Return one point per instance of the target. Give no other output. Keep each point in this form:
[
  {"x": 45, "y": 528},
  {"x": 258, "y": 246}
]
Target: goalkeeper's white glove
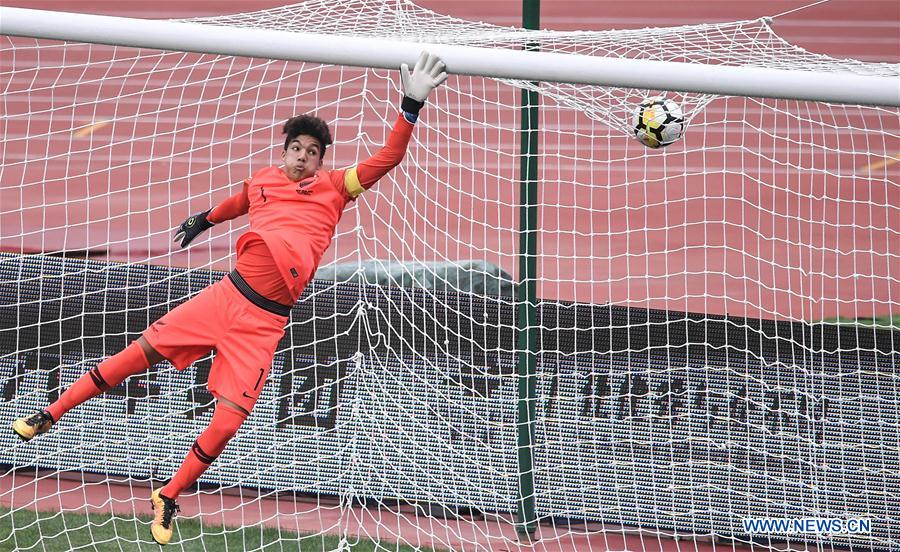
[{"x": 427, "y": 75}]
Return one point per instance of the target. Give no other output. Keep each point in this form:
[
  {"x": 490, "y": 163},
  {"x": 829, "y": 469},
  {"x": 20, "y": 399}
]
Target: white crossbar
[{"x": 460, "y": 60}]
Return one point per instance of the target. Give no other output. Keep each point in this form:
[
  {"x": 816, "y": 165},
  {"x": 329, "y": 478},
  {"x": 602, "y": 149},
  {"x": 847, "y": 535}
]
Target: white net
[{"x": 688, "y": 373}]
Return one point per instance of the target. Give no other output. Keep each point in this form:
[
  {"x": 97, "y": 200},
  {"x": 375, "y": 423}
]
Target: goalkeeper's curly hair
[{"x": 309, "y": 125}]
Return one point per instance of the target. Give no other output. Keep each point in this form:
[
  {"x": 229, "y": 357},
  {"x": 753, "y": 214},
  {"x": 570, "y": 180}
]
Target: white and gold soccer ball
[{"x": 657, "y": 122}]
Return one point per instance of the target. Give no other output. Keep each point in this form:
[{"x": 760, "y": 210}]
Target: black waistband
[{"x": 262, "y": 302}]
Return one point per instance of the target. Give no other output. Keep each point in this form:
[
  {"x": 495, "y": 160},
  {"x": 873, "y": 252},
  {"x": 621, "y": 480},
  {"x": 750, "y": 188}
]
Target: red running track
[
  {"x": 79, "y": 493},
  {"x": 691, "y": 228}
]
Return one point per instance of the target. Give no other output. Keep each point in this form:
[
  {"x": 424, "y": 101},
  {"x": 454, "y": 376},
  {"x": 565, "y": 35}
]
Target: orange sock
[
  {"x": 223, "y": 426},
  {"x": 103, "y": 377}
]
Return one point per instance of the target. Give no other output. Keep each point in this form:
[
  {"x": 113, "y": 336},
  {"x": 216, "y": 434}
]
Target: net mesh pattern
[{"x": 715, "y": 324}]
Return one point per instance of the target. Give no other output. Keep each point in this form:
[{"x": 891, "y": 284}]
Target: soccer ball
[{"x": 657, "y": 122}]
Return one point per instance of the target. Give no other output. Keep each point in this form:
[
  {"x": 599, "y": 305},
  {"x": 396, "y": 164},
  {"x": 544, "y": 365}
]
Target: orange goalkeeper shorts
[{"x": 243, "y": 334}]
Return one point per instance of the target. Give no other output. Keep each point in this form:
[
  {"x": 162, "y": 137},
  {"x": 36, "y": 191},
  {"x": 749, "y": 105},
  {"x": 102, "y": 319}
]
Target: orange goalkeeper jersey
[{"x": 296, "y": 220}]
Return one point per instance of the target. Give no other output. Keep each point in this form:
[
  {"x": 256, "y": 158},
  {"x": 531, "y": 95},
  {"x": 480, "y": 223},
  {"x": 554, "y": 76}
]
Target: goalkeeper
[{"x": 293, "y": 212}]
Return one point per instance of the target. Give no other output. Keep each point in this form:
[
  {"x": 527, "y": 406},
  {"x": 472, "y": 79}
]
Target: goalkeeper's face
[{"x": 302, "y": 158}]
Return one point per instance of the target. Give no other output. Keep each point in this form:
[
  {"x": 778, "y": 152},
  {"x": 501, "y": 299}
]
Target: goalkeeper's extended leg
[
  {"x": 225, "y": 422},
  {"x": 106, "y": 375}
]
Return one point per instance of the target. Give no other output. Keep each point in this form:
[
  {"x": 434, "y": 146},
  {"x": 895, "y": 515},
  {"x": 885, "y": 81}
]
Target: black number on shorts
[{"x": 261, "y": 372}]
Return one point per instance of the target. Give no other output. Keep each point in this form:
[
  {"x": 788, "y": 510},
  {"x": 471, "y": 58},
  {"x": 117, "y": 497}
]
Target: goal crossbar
[{"x": 460, "y": 60}]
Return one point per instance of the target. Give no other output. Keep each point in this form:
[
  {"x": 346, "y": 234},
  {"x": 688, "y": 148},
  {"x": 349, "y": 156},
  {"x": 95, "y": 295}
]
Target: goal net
[{"x": 716, "y": 321}]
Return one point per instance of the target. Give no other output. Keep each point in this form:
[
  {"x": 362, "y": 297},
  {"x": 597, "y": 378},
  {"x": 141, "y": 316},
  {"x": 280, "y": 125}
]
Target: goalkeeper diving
[{"x": 293, "y": 211}]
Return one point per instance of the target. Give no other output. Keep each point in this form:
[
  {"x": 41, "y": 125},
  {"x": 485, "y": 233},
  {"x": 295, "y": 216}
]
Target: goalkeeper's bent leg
[
  {"x": 224, "y": 425},
  {"x": 226, "y": 421},
  {"x": 106, "y": 375}
]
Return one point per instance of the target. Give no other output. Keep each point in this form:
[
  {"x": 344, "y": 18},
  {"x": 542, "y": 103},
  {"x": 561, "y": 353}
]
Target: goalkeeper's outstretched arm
[
  {"x": 194, "y": 225},
  {"x": 427, "y": 75}
]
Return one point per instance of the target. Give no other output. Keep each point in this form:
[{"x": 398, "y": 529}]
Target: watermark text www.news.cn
[{"x": 807, "y": 526}]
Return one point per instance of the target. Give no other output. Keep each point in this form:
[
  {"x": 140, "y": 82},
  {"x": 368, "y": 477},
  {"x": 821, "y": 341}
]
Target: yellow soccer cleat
[
  {"x": 28, "y": 428},
  {"x": 164, "y": 509}
]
